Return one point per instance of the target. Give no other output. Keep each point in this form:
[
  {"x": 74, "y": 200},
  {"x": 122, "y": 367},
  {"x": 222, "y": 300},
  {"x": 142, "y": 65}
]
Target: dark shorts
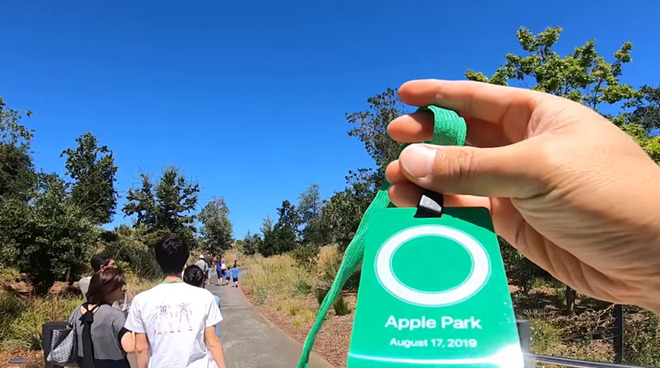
[{"x": 235, "y": 279}]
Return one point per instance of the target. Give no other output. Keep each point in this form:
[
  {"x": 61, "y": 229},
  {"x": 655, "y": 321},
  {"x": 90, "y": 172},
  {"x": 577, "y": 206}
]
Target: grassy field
[{"x": 287, "y": 293}]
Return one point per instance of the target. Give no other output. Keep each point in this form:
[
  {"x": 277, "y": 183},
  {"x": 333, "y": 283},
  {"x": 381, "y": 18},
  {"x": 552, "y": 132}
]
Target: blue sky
[{"x": 248, "y": 97}]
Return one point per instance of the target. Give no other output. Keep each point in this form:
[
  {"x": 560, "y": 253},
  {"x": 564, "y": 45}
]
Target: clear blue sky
[{"x": 248, "y": 97}]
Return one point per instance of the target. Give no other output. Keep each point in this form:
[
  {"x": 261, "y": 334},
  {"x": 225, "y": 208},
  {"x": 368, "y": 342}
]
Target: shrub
[
  {"x": 130, "y": 248},
  {"x": 21, "y": 320},
  {"x": 341, "y": 307},
  {"x": 321, "y": 293},
  {"x": 303, "y": 287},
  {"x": 641, "y": 345},
  {"x": 294, "y": 309},
  {"x": 306, "y": 256}
]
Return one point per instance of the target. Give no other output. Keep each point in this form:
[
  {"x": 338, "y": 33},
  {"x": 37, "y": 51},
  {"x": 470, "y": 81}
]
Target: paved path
[{"x": 249, "y": 340}]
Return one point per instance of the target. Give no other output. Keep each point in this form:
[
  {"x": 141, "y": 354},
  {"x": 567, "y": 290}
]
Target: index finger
[{"x": 480, "y": 100}]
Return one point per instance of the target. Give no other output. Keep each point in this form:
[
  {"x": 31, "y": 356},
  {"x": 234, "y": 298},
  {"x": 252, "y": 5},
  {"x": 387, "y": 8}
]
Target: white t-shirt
[{"x": 174, "y": 316}]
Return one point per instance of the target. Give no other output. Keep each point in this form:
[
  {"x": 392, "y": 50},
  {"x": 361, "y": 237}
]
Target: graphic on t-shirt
[
  {"x": 184, "y": 311},
  {"x": 164, "y": 320}
]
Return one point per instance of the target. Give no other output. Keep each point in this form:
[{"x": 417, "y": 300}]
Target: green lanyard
[{"x": 448, "y": 129}]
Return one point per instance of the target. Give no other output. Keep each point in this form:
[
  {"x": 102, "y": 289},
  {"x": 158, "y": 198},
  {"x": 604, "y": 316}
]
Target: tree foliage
[
  {"x": 51, "y": 237},
  {"x": 92, "y": 167},
  {"x": 169, "y": 206},
  {"x": 370, "y": 127},
  {"x": 341, "y": 215},
  {"x": 216, "y": 228},
  {"x": 309, "y": 209},
  {"x": 17, "y": 174},
  {"x": 583, "y": 75},
  {"x": 251, "y": 243},
  {"x": 280, "y": 237}
]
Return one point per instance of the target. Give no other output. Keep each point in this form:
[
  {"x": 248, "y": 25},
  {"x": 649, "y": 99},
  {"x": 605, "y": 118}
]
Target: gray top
[
  {"x": 202, "y": 264},
  {"x": 106, "y": 329}
]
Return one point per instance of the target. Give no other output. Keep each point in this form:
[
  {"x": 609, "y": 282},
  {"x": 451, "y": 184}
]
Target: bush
[
  {"x": 131, "y": 249},
  {"x": 21, "y": 320},
  {"x": 306, "y": 256},
  {"x": 321, "y": 293},
  {"x": 341, "y": 307},
  {"x": 303, "y": 287},
  {"x": 330, "y": 269},
  {"x": 641, "y": 346}
]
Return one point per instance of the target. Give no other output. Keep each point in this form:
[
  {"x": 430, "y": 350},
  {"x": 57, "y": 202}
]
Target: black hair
[
  {"x": 193, "y": 275},
  {"x": 99, "y": 260},
  {"x": 171, "y": 255}
]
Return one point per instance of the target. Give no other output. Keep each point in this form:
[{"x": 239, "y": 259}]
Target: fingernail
[{"x": 417, "y": 160}]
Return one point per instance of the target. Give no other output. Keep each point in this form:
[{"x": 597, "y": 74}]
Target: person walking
[
  {"x": 102, "y": 339},
  {"x": 175, "y": 323}
]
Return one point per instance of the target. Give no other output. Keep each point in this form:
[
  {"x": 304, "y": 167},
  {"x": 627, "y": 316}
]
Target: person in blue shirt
[{"x": 234, "y": 275}]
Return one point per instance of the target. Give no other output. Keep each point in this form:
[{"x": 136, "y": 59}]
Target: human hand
[{"x": 564, "y": 185}]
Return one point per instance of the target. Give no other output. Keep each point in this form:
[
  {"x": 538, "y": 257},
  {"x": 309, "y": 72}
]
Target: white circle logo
[{"x": 477, "y": 278}]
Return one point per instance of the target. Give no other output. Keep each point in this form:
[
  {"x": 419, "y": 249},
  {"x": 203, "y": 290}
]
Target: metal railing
[{"x": 533, "y": 360}]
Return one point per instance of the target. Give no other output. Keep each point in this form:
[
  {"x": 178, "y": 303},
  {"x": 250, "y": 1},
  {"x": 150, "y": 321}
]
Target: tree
[
  {"x": 92, "y": 167},
  {"x": 646, "y": 107},
  {"x": 371, "y": 129},
  {"x": 216, "y": 228},
  {"x": 309, "y": 215},
  {"x": 168, "y": 208},
  {"x": 251, "y": 243},
  {"x": 52, "y": 237},
  {"x": 341, "y": 215},
  {"x": 17, "y": 175},
  {"x": 583, "y": 76},
  {"x": 281, "y": 238}
]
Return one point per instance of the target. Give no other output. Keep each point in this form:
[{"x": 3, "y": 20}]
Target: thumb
[{"x": 509, "y": 171}]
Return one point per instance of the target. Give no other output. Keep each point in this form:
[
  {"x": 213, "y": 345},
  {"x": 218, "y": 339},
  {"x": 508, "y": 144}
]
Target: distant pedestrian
[
  {"x": 101, "y": 262},
  {"x": 218, "y": 270},
  {"x": 227, "y": 276},
  {"x": 201, "y": 263},
  {"x": 234, "y": 275}
]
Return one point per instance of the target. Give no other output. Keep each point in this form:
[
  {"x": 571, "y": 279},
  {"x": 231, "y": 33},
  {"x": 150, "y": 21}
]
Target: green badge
[{"x": 433, "y": 293}]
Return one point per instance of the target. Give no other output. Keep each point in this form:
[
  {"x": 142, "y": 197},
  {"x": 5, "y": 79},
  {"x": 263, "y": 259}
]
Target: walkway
[{"x": 249, "y": 340}]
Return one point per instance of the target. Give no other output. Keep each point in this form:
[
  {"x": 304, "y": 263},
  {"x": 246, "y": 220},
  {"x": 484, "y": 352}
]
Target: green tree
[
  {"x": 251, "y": 243},
  {"x": 341, "y": 215},
  {"x": 216, "y": 227},
  {"x": 92, "y": 167},
  {"x": 370, "y": 127},
  {"x": 281, "y": 237},
  {"x": 52, "y": 237},
  {"x": 646, "y": 108},
  {"x": 583, "y": 76},
  {"x": 309, "y": 209},
  {"x": 17, "y": 175},
  {"x": 167, "y": 208}
]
